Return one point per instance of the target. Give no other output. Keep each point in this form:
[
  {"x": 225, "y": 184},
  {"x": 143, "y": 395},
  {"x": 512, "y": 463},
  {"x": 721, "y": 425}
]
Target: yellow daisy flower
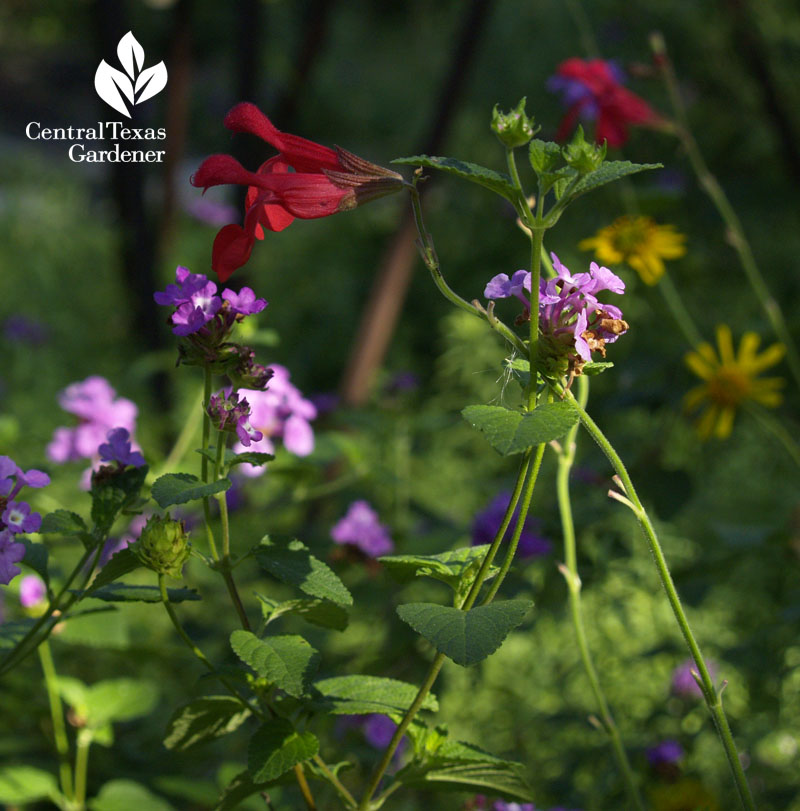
[
  {"x": 731, "y": 379},
  {"x": 639, "y": 242}
]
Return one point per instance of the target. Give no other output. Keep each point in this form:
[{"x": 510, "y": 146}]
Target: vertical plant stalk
[
  {"x": 716, "y": 193},
  {"x": 712, "y": 696},
  {"x": 438, "y": 660},
  {"x": 207, "y": 381},
  {"x": 57, "y": 716},
  {"x": 83, "y": 741},
  {"x": 523, "y": 514},
  {"x": 566, "y": 457},
  {"x": 225, "y": 563},
  {"x": 679, "y": 312},
  {"x": 775, "y": 427}
]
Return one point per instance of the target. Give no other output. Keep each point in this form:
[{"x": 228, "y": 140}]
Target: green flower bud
[
  {"x": 513, "y": 128},
  {"x": 163, "y": 545},
  {"x": 582, "y": 156}
]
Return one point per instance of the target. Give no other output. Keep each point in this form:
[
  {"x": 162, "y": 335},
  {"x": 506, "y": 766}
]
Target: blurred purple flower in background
[
  {"x": 32, "y": 591},
  {"x": 118, "y": 449},
  {"x": 487, "y": 522},
  {"x": 279, "y": 412},
  {"x": 668, "y": 751},
  {"x": 361, "y": 527},
  {"x": 96, "y": 404},
  {"x": 114, "y": 545},
  {"x": 683, "y": 682},
  {"x": 210, "y": 211},
  {"x": 21, "y": 329}
]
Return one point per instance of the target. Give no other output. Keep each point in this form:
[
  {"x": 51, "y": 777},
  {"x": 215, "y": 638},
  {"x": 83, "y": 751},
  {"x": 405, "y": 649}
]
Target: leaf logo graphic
[{"x": 133, "y": 86}]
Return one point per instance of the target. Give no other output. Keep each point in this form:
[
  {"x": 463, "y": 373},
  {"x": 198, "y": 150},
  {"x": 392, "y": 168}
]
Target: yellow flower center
[
  {"x": 729, "y": 386},
  {"x": 631, "y": 234}
]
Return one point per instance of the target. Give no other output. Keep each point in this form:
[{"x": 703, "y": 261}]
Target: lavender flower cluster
[
  {"x": 16, "y": 517},
  {"x": 573, "y": 323}
]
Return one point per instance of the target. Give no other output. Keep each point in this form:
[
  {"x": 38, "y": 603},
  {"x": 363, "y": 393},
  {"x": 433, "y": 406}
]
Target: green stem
[
  {"x": 716, "y": 193},
  {"x": 335, "y": 782},
  {"x": 83, "y": 741},
  {"x": 566, "y": 458},
  {"x": 488, "y": 559},
  {"x": 162, "y": 587},
  {"x": 585, "y": 32},
  {"x": 679, "y": 312},
  {"x": 411, "y": 713},
  {"x": 22, "y": 649},
  {"x": 712, "y": 696},
  {"x": 432, "y": 263},
  {"x": 184, "y": 440},
  {"x": 57, "y": 716},
  {"x": 225, "y": 563},
  {"x": 207, "y": 383},
  {"x": 523, "y": 514},
  {"x": 774, "y": 427}
]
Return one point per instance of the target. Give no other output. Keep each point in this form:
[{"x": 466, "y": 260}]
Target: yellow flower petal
[
  {"x": 725, "y": 344},
  {"x": 703, "y": 362},
  {"x": 724, "y": 423}
]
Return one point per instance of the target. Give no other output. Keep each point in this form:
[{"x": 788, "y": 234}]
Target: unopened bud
[
  {"x": 163, "y": 545},
  {"x": 583, "y": 156},
  {"x": 513, "y": 128}
]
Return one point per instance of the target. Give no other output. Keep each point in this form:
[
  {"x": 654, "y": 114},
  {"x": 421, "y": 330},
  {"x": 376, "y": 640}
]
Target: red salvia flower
[
  {"x": 305, "y": 180},
  {"x": 592, "y": 88}
]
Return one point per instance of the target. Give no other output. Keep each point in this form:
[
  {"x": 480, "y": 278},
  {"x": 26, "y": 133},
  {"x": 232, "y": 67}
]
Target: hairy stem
[
  {"x": 57, "y": 716},
  {"x": 566, "y": 457},
  {"x": 712, "y": 696}
]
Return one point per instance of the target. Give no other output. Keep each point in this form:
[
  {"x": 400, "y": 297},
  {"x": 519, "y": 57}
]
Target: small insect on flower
[
  {"x": 731, "y": 380},
  {"x": 639, "y": 242}
]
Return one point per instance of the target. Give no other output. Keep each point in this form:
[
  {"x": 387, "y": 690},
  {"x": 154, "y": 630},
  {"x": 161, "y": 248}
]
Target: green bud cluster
[
  {"x": 582, "y": 156},
  {"x": 513, "y": 128},
  {"x": 163, "y": 545}
]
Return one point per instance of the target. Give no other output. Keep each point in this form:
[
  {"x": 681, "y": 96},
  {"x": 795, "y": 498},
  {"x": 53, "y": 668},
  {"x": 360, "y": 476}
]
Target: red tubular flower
[
  {"x": 592, "y": 88},
  {"x": 305, "y": 180}
]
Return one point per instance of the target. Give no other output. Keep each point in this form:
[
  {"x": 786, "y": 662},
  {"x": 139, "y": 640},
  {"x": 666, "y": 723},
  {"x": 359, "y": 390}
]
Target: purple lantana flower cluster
[
  {"x": 480, "y": 803},
  {"x": 360, "y": 527},
  {"x": 573, "y": 323},
  {"x": 206, "y": 320},
  {"x": 16, "y": 517},
  {"x": 279, "y": 412},
  {"x": 229, "y": 413},
  {"x": 196, "y": 304},
  {"x": 531, "y": 544}
]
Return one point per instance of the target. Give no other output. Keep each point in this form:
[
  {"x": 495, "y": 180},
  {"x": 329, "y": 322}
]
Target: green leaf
[
  {"x": 596, "y": 367},
  {"x": 520, "y": 370},
  {"x": 362, "y": 695},
  {"x": 178, "y": 488},
  {"x": 545, "y": 156},
  {"x": 123, "y": 795},
  {"x": 511, "y": 432},
  {"x": 119, "y": 564},
  {"x": 293, "y": 563},
  {"x": 607, "y": 173},
  {"x": 111, "y": 494},
  {"x": 239, "y": 789},
  {"x": 491, "y": 777},
  {"x": 276, "y": 747},
  {"x": 499, "y": 183},
  {"x": 287, "y": 661},
  {"x": 12, "y": 632},
  {"x": 25, "y": 784},
  {"x": 318, "y": 612},
  {"x": 466, "y": 637},
  {"x": 250, "y": 458},
  {"x": 203, "y": 720},
  {"x": 110, "y": 700},
  {"x": 446, "y": 566},
  {"x": 36, "y": 555},
  {"x": 129, "y": 593},
  {"x": 63, "y": 522}
]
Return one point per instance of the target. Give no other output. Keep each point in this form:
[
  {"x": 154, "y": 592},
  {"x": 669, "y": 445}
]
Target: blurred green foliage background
[{"x": 729, "y": 512}]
